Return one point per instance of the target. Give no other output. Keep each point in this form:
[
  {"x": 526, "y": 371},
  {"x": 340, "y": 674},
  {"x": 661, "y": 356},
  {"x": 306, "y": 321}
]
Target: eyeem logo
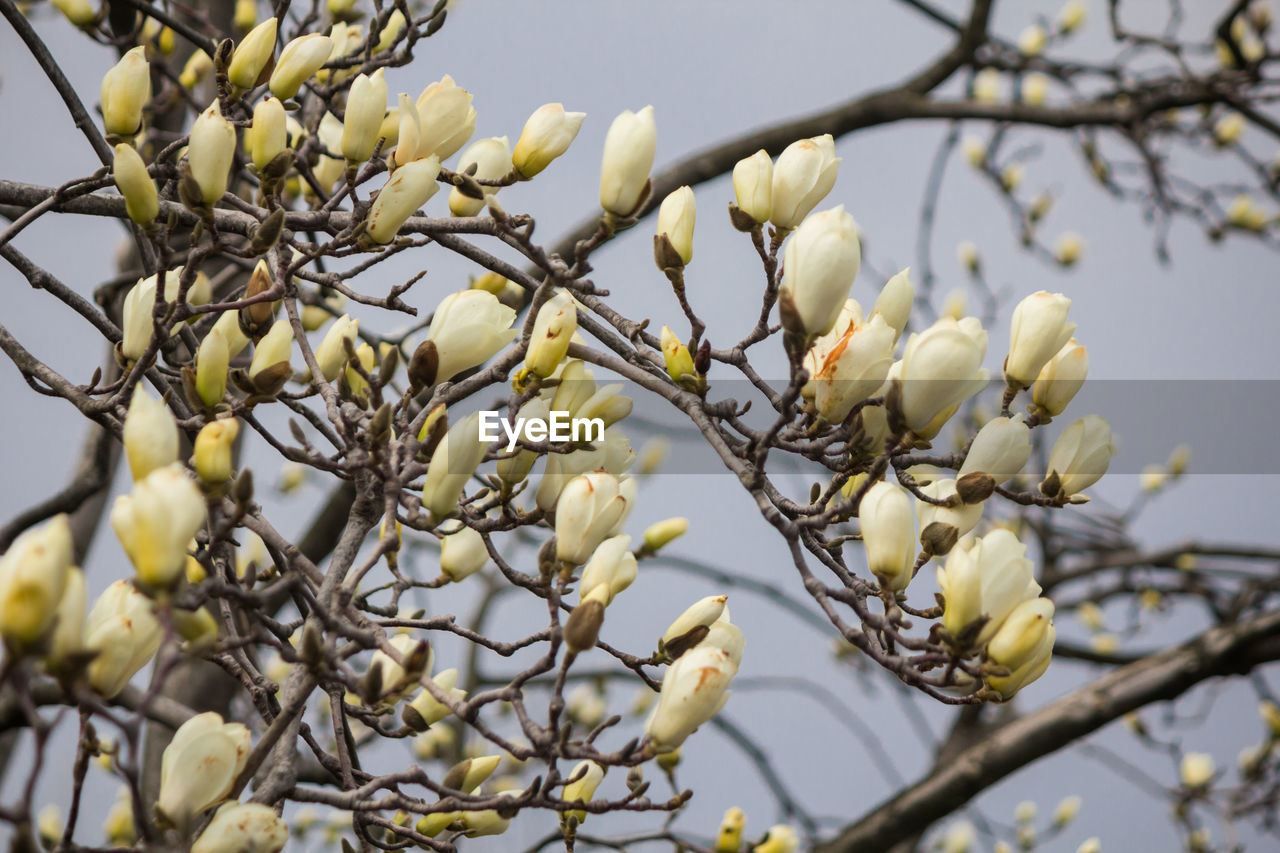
[{"x": 559, "y": 426}]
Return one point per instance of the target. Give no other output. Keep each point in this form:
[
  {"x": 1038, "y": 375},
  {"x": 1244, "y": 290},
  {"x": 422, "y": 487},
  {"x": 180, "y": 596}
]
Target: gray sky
[{"x": 711, "y": 70}]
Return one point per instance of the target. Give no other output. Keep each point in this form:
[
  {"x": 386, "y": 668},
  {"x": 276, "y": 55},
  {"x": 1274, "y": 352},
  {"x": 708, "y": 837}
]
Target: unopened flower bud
[
  {"x": 212, "y": 450},
  {"x": 629, "y": 147},
  {"x": 406, "y": 191},
  {"x": 553, "y": 329},
  {"x": 753, "y": 186},
  {"x": 252, "y": 55},
  {"x": 660, "y": 533},
  {"x": 547, "y": 134},
  {"x": 676, "y": 217},
  {"x": 211, "y": 152},
  {"x": 300, "y": 59},
  {"x": 366, "y": 105},
  {"x": 126, "y": 89},
  {"x": 150, "y": 435},
  {"x": 135, "y": 184},
  {"x": 803, "y": 175}
]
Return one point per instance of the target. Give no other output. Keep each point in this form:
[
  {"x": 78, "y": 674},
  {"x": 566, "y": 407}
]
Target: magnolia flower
[
  {"x": 150, "y": 435},
  {"x": 452, "y": 464},
  {"x": 854, "y": 369},
  {"x": 1079, "y": 457},
  {"x": 492, "y": 160},
  {"x": 888, "y": 522},
  {"x": 586, "y": 776},
  {"x": 941, "y": 366},
  {"x": 1072, "y": 15},
  {"x": 984, "y": 578},
  {"x": 125, "y": 633},
  {"x": 803, "y": 175},
  {"x": 211, "y": 454},
  {"x": 1031, "y": 40},
  {"x": 1000, "y": 449},
  {"x": 515, "y": 468},
  {"x": 951, "y": 522},
  {"x": 628, "y": 155},
  {"x": 135, "y": 184},
  {"x": 79, "y": 12},
  {"x": 553, "y": 329},
  {"x": 156, "y": 523},
  {"x": 33, "y": 578},
  {"x": 820, "y": 265},
  {"x": 1061, "y": 378},
  {"x": 210, "y": 153},
  {"x": 270, "y": 368},
  {"x": 676, "y": 356},
  {"x": 139, "y": 304},
  {"x": 591, "y": 508},
  {"x": 611, "y": 566},
  {"x": 252, "y": 55},
  {"x": 199, "y": 767},
  {"x": 692, "y": 626},
  {"x": 243, "y": 828},
  {"x": 729, "y": 836},
  {"x": 895, "y": 301},
  {"x": 446, "y": 118},
  {"x": 1038, "y": 331},
  {"x": 694, "y": 690},
  {"x": 467, "y": 329},
  {"x": 547, "y": 134},
  {"x": 987, "y": 86},
  {"x": 487, "y": 821},
  {"x": 1228, "y": 129},
  {"x": 331, "y": 355},
  {"x": 362, "y": 122},
  {"x": 395, "y": 681},
  {"x": 300, "y": 58},
  {"x": 753, "y": 186},
  {"x": 676, "y": 217},
  {"x": 462, "y": 552},
  {"x": 1035, "y": 88},
  {"x": 412, "y": 185},
  {"x": 781, "y": 838},
  {"x": 126, "y": 89}
]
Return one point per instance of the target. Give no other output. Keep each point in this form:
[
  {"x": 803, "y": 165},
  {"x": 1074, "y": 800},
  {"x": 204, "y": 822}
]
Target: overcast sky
[{"x": 712, "y": 70}]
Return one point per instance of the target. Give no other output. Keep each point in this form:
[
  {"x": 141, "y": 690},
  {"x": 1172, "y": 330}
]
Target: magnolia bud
[
  {"x": 452, "y": 464},
  {"x": 1228, "y": 129},
  {"x": 446, "y": 117},
  {"x": 270, "y": 368},
  {"x": 211, "y": 152},
  {"x": 984, "y": 579},
  {"x": 676, "y": 217},
  {"x": 1039, "y": 330},
  {"x": 269, "y": 135},
  {"x": 586, "y": 776},
  {"x": 547, "y": 134},
  {"x": 677, "y": 356},
  {"x": 514, "y": 469},
  {"x": 119, "y": 827},
  {"x": 628, "y": 155},
  {"x": 821, "y": 263},
  {"x": 406, "y": 191},
  {"x": 553, "y": 329},
  {"x": 425, "y": 711},
  {"x": 729, "y": 836},
  {"x": 123, "y": 630},
  {"x": 1022, "y": 633},
  {"x": 612, "y": 567},
  {"x": 1031, "y": 40},
  {"x": 492, "y": 160},
  {"x": 462, "y": 552},
  {"x": 300, "y": 58},
  {"x": 1035, "y": 88},
  {"x": 150, "y": 435},
  {"x": 660, "y": 533},
  {"x": 582, "y": 628},
  {"x": 694, "y": 690},
  {"x": 889, "y": 534},
  {"x": 243, "y": 828},
  {"x": 987, "y": 86},
  {"x": 33, "y": 578},
  {"x": 331, "y": 355},
  {"x": 126, "y": 89},
  {"x": 212, "y": 360},
  {"x": 212, "y": 451},
  {"x": 469, "y": 774},
  {"x": 780, "y": 838},
  {"x": 804, "y": 174},
  {"x": 468, "y": 328},
  {"x": 1080, "y": 456},
  {"x": 366, "y": 105},
  {"x": 1061, "y": 378},
  {"x": 488, "y": 821},
  {"x": 591, "y": 508},
  {"x": 895, "y": 301},
  {"x": 67, "y": 640},
  {"x": 139, "y": 191},
  {"x": 156, "y": 522},
  {"x": 1072, "y": 15},
  {"x": 753, "y": 186},
  {"x": 79, "y": 12},
  {"x": 1000, "y": 449},
  {"x": 218, "y": 750},
  {"x": 692, "y": 626},
  {"x": 252, "y": 55}
]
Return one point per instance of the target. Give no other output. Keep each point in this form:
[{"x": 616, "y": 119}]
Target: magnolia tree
[{"x": 242, "y": 688}]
